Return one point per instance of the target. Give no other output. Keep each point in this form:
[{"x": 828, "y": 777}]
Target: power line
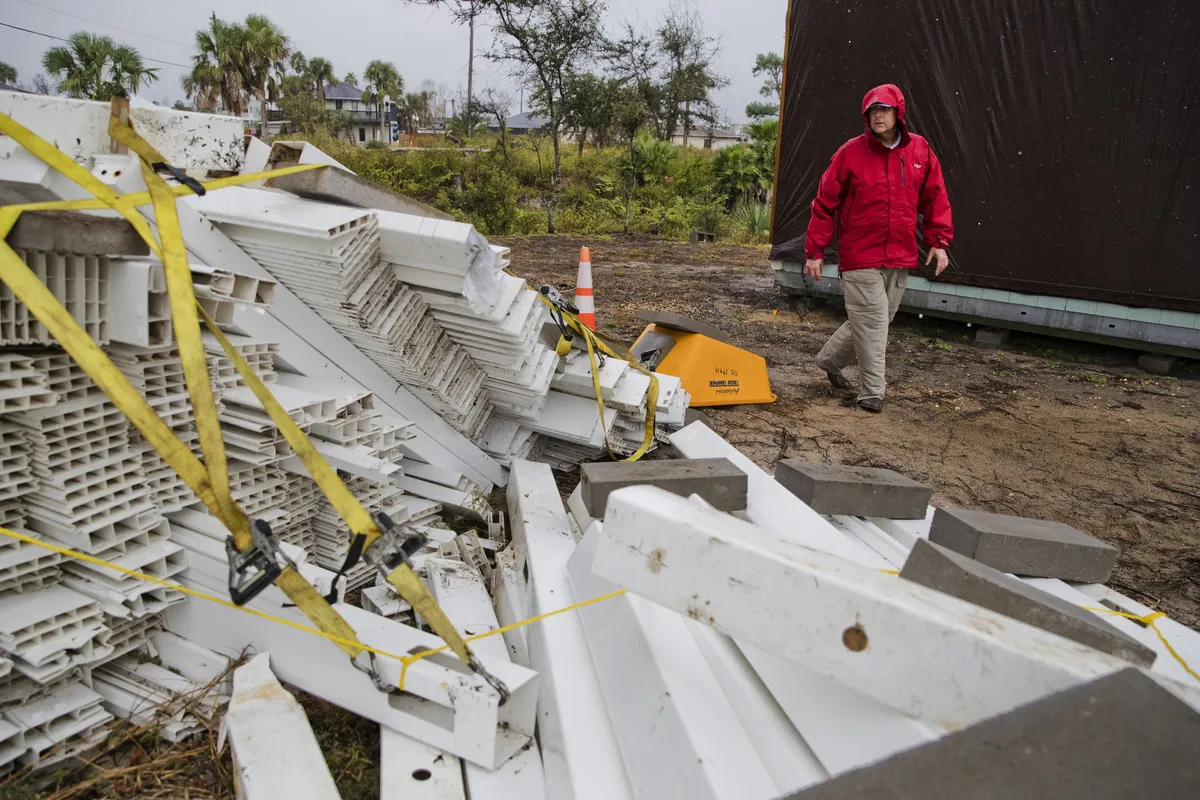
[
  {"x": 177, "y": 8},
  {"x": 105, "y": 24},
  {"x": 61, "y": 39}
]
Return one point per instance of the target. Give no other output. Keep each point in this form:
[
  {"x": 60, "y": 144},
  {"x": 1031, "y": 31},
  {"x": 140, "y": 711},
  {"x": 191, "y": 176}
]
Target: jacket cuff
[{"x": 810, "y": 253}]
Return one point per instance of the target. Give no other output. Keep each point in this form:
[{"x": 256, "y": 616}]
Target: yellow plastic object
[{"x": 712, "y": 372}]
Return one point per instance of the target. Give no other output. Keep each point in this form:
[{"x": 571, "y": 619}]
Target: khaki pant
[{"x": 872, "y": 298}]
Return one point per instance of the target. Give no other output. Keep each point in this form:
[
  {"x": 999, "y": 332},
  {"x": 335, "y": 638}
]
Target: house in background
[
  {"x": 714, "y": 139},
  {"x": 344, "y": 101}
]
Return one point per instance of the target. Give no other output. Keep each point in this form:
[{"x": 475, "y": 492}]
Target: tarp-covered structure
[{"x": 1069, "y": 133}]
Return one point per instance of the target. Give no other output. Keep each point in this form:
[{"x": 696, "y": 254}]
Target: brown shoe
[
  {"x": 872, "y": 404},
  {"x": 839, "y": 380}
]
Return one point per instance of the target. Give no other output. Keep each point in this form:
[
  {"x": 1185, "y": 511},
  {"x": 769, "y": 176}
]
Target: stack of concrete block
[{"x": 330, "y": 257}]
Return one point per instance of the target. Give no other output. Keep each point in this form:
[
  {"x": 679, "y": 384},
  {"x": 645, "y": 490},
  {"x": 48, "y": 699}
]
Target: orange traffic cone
[{"x": 584, "y": 300}]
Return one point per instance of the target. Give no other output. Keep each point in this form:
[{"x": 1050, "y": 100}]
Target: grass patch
[
  {"x": 350, "y": 745},
  {"x": 1094, "y": 377}
]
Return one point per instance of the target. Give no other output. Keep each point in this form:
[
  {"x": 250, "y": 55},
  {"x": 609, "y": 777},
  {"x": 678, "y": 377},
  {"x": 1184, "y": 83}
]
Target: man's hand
[
  {"x": 943, "y": 260},
  {"x": 813, "y": 267}
]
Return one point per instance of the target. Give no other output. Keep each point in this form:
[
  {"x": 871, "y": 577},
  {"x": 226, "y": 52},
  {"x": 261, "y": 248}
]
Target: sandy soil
[{"x": 1040, "y": 427}]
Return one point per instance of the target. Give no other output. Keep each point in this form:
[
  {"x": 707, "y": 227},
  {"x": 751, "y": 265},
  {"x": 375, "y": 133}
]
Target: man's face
[{"x": 882, "y": 120}]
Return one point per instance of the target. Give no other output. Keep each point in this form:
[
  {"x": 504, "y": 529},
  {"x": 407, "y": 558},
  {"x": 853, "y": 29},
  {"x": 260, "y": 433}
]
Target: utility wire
[
  {"x": 105, "y": 24},
  {"x": 61, "y": 39}
]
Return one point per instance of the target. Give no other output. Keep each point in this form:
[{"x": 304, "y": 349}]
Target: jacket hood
[{"x": 888, "y": 94}]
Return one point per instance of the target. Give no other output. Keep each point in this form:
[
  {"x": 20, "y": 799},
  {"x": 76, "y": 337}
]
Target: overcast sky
[{"x": 423, "y": 43}]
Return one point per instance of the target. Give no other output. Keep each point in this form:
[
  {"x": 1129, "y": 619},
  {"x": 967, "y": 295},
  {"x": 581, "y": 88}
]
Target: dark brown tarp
[{"x": 1069, "y": 132}]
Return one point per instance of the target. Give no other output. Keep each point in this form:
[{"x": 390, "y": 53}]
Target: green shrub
[{"x": 671, "y": 190}]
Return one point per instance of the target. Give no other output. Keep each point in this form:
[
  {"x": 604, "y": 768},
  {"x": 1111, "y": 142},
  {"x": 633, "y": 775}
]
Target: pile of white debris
[
  {"x": 397, "y": 341},
  {"x": 746, "y": 646}
]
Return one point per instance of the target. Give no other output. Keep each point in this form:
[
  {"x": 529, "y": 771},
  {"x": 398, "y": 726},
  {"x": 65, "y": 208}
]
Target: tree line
[{"x": 635, "y": 89}]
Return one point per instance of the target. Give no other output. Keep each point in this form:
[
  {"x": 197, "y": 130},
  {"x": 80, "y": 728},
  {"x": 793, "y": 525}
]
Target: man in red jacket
[{"x": 876, "y": 185}]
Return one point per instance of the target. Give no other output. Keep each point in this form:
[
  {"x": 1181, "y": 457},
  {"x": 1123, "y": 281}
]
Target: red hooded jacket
[{"x": 876, "y": 194}]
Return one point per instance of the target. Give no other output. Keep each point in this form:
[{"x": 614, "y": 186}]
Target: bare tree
[
  {"x": 689, "y": 56},
  {"x": 545, "y": 42},
  {"x": 496, "y": 106}
]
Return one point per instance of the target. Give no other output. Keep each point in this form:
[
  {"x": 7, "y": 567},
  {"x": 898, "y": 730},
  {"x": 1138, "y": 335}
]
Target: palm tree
[
  {"x": 8, "y": 73},
  {"x": 97, "y": 68},
  {"x": 383, "y": 80},
  {"x": 217, "y": 68},
  {"x": 266, "y": 50},
  {"x": 322, "y": 73},
  {"x": 298, "y": 62},
  {"x": 350, "y": 78},
  {"x": 411, "y": 108}
]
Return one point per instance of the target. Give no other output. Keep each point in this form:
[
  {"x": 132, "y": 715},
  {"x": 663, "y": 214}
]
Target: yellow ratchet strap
[
  {"x": 199, "y": 477},
  {"x": 362, "y": 527},
  {"x": 595, "y": 344},
  {"x": 215, "y": 494}
]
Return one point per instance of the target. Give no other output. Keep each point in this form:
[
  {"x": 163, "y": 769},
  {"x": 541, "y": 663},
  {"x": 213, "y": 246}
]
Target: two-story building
[{"x": 360, "y": 121}]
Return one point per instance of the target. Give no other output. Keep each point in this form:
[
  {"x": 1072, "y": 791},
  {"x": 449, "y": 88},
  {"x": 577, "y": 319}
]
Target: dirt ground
[{"x": 1041, "y": 427}]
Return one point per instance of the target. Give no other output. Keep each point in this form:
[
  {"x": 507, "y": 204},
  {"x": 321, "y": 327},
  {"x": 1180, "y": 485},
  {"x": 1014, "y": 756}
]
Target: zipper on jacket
[{"x": 901, "y": 172}]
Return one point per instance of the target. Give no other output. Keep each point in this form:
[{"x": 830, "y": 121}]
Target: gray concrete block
[
  {"x": 992, "y": 337},
  {"x": 854, "y": 491},
  {"x": 75, "y": 232},
  {"x": 717, "y": 480},
  {"x": 1030, "y": 547},
  {"x": 1156, "y": 363},
  {"x": 696, "y": 415},
  {"x": 1117, "y": 737},
  {"x": 948, "y": 572},
  {"x": 679, "y": 322}
]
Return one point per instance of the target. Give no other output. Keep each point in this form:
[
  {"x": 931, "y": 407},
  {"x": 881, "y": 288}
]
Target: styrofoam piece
[
  {"x": 579, "y": 747},
  {"x": 770, "y": 505},
  {"x": 412, "y": 770},
  {"x": 445, "y": 706},
  {"x": 940, "y": 660},
  {"x": 677, "y": 731},
  {"x": 275, "y": 753},
  {"x": 784, "y": 752}
]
